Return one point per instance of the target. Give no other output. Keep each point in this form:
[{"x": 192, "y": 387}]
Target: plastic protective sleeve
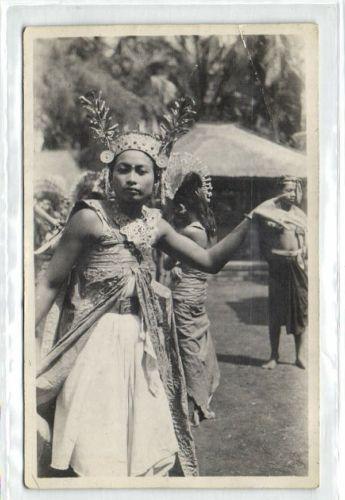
[{"x": 329, "y": 15}]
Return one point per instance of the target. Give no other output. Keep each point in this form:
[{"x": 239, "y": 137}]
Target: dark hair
[{"x": 191, "y": 195}]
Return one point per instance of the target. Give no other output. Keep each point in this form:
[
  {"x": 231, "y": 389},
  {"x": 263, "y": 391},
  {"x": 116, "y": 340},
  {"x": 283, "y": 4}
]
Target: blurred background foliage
[{"x": 254, "y": 81}]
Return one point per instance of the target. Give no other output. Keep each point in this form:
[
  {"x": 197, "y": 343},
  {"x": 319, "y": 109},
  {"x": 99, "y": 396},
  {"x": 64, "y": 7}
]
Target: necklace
[
  {"x": 122, "y": 219},
  {"x": 139, "y": 231}
]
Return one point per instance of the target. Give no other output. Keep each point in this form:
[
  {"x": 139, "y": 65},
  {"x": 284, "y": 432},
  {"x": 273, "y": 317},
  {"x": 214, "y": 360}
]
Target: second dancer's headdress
[{"x": 181, "y": 164}]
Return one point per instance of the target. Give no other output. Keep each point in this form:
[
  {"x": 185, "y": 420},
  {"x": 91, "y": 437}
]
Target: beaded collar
[
  {"x": 139, "y": 231},
  {"x": 119, "y": 217}
]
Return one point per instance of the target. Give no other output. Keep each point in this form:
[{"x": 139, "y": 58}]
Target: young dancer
[
  {"x": 114, "y": 370},
  {"x": 189, "y": 186}
]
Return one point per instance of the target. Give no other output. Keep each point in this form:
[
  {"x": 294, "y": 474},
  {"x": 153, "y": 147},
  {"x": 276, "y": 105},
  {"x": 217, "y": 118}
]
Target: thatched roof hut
[
  {"x": 244, "y": 169},
  {"x": 230, "y": 151}
]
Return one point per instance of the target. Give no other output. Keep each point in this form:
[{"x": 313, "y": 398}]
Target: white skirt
[{"x": 107, "y": 421}]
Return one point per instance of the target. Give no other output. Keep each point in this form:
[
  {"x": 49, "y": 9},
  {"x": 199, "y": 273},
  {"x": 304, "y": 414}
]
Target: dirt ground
[{"x": 261, "y": 416}]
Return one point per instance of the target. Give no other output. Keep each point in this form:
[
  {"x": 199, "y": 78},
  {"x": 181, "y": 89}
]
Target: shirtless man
[{"x": 283, "y": 238}]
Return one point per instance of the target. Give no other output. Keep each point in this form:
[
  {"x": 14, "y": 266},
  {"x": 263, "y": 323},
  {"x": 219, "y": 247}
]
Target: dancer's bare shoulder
[
  {"x": 196, "y": 234},
  {"x": 84, "y": 224},
  {"x": 166, "y": 232}
]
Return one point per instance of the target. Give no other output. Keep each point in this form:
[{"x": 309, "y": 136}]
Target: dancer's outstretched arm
[{"x": 210, "y": 261}]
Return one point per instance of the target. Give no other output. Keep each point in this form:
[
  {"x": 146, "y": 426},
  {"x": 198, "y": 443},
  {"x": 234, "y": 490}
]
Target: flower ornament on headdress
[
  {"x": 100, "y": 122},
  {"x": 177, "y": 122},
  {"x": 174, "y": 124},
  {"x": 181, "y": 164}
]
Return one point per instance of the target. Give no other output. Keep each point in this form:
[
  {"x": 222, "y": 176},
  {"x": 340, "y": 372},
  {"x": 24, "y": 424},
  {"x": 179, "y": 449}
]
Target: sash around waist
[
  {"x": 286, "y": 253},
  {"x": 190, "y": 290},
  {"x": 126, "y": 305}
]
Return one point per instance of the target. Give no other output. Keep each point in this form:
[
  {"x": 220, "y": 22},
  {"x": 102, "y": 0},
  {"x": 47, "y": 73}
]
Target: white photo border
[{"x": 15, "y": 16}]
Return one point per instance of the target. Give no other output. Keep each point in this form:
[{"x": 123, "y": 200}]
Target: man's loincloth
[{"x": 288, "y": 294}]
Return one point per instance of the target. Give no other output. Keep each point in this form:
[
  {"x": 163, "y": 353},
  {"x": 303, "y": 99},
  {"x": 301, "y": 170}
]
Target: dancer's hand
[
  {"x": 43, "y": 436},
  {"x": 264, "y": 205},
  {"x": 176, "y": 274},
  {"x": 267, "y": 210},
  {"x": 43, "y": 429}
]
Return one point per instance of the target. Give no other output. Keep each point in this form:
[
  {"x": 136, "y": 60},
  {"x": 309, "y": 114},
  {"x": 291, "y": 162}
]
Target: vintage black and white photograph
[{"x": 171, "y": 284}]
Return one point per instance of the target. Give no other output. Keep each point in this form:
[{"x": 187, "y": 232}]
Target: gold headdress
[
  {"x": 180, "y": 164},
  {"x": 174, "y": 124}
]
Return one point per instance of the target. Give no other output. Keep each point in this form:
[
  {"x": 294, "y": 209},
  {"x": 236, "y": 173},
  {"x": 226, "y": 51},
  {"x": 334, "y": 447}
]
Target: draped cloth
[
  {"x": 117, "y": 262},
  {"x": 194, "y": 336},
  {"x": 288, "y": 293}
]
